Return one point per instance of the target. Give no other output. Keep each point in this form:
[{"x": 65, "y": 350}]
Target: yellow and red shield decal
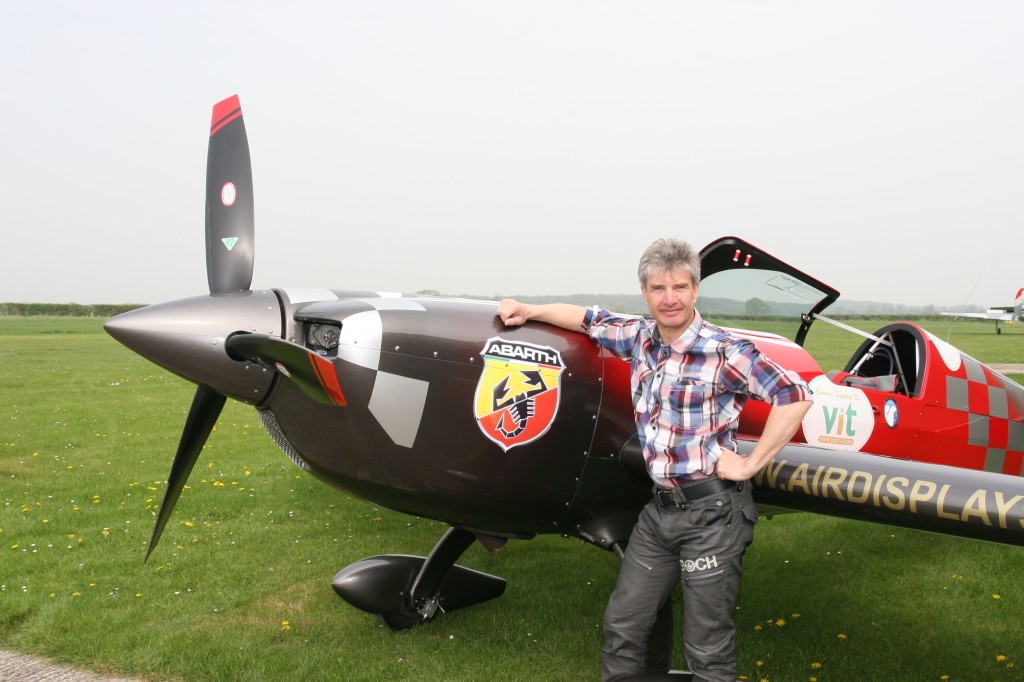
[{"x": 517, "y": 395}]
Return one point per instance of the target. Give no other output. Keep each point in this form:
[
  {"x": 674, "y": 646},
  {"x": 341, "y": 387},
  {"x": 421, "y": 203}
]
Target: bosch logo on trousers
[{"x": 702, "y": 564}]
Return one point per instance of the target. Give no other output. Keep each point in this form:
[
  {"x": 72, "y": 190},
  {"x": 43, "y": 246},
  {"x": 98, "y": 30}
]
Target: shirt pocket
[{"x": 687, "y": 398}]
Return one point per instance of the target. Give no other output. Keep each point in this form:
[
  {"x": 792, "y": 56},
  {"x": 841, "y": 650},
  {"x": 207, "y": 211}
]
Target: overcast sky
[{"x": 516, "y": 147}]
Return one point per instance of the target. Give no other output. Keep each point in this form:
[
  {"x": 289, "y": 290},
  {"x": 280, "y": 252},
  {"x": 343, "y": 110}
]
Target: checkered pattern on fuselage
[{"x": 995, "y": 414}]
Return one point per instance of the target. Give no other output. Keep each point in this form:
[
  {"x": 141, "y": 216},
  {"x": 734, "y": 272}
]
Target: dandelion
[
  {"x": 285, "y": 625},
  {"x": 816, "y": 666},
  {"x": 841, "y": 636},
  {"x": 996, "y": 596},
  {"x": 780, "y": 623}
]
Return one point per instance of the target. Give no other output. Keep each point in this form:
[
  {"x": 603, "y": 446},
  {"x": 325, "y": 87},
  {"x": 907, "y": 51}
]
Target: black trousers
[{"x": 701, "y": 545}]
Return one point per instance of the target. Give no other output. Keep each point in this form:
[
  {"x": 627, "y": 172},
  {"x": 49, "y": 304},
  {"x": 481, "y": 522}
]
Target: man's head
[
  {"x": 668, "y": 254},
  {"x": 669, "y": 277}
]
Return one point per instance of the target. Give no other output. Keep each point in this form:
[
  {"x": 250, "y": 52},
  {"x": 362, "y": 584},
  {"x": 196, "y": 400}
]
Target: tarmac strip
[
  {"x": 15, "y": 667},
  {"x": 1008, "y": 369}
]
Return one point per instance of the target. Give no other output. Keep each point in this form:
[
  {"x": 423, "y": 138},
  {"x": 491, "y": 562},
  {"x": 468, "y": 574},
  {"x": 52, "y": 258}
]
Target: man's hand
[
  {"x": 564, "y": 315},
  {"x": 733, "y": 467},
  {"x": 512, "y": 312}
]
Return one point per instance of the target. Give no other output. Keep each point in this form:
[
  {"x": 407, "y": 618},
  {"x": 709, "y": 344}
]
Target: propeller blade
[
  {"x": 206, "y": 407},
  {"x": 230, "y": 224}
]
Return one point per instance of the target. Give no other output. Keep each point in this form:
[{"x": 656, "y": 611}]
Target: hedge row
[{"x": 67, "y": 309}]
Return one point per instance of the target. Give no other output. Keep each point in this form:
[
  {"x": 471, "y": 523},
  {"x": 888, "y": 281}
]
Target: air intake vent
[{"x": 274, "y": 429}]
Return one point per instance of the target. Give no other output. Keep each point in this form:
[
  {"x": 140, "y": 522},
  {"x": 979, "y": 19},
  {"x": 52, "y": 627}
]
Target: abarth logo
[{"x": 518, "y": 393}]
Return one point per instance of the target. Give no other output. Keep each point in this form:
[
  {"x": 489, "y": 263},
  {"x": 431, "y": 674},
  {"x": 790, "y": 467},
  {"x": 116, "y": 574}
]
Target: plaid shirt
[{"x": 687, "y": 396}]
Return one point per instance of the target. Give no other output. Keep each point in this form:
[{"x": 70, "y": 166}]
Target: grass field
[{"x": 239, "y": 588}]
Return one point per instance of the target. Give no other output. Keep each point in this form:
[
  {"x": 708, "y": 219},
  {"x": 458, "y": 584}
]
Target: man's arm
[
  {"x": 782, "y": 423},
  {"x": 564, "y": 315}
]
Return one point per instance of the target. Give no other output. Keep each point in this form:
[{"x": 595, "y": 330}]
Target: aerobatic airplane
[
  {"x": 432, "y": 407},
  {"x": 1006, "y": 314}
]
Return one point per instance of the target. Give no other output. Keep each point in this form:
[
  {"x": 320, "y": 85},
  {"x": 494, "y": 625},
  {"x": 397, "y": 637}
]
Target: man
[{"x": 690, "y": 380}]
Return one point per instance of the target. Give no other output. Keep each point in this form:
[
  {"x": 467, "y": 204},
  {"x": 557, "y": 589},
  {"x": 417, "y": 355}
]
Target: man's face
[{"x": 671, "y": 297}]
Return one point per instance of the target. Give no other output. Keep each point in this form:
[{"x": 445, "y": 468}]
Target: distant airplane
[{"x": 998, "y": 314}]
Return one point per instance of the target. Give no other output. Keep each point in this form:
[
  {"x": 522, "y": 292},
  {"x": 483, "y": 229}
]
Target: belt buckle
[{"x": 667, "y": 498}]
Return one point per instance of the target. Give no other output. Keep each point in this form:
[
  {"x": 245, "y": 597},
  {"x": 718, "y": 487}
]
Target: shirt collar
[
  {"x": 685, "y": 340},
  {"x": 689, "y": 337}
]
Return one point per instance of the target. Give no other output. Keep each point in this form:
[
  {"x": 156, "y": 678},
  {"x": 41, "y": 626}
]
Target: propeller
[{"x": 230, "y": 246}]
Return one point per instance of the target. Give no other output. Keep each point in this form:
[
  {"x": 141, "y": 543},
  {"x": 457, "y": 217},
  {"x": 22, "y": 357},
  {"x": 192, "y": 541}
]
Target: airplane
[
  {"x": 1006, "y": 314},
  {"x": 430, "y": 406}
]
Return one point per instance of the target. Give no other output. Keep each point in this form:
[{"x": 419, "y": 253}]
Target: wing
[{"x": 1004, "y": 317}]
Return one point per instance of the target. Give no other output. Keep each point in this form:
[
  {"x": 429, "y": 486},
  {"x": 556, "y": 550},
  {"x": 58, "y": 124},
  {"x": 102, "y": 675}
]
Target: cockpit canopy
[{"x": 739, "y": 279}]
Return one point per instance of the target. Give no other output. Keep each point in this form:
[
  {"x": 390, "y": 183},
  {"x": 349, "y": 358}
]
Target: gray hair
[{"x": 665, "y": 255}]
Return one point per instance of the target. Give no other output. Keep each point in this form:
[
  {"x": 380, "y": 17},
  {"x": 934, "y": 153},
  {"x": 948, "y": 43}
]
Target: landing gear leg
[{"x": 403, "y": 591}]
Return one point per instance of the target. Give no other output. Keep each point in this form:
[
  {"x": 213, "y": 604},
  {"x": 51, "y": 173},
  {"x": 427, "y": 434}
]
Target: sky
[{"x": 528, "y": 147}]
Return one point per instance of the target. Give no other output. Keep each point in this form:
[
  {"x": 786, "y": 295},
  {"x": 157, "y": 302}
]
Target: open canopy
[{"x": 740, "y": 280}]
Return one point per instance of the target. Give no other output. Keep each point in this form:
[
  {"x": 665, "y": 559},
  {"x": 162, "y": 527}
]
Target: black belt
[{"x": 679, "y": 497}]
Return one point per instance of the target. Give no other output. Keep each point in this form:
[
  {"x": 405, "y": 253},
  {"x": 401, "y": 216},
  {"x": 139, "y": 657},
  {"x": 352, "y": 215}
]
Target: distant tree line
[
  {"x": 753, "y": 307},
  {"x": 66, "y": 309},
  {"x": 620, "y": 303}
]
